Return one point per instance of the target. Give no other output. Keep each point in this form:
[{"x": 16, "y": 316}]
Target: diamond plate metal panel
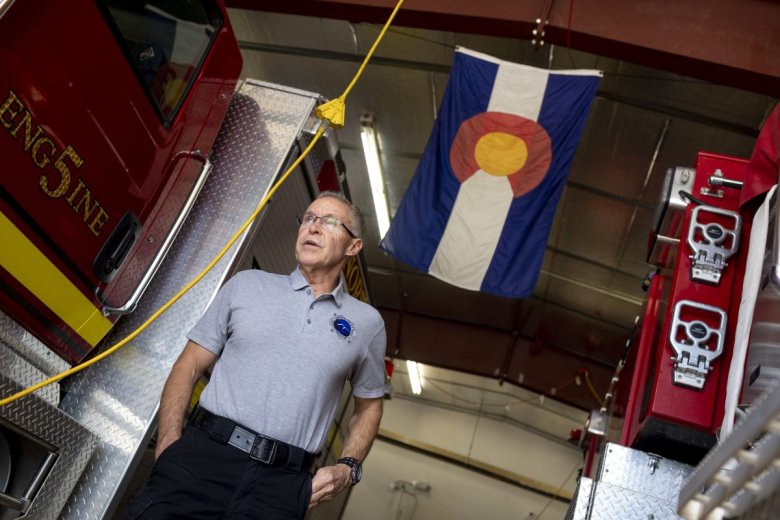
[
  {"x": 580, "y": 508},
  {"x": 18, "y": 370},
  {"x": 631, "y": 485},
  {"x": 74, "y": 446},
  {"x": 18, "y": 339},
  {"x": 639, "y": 471},
  {"x": 618, "y": 503},
  {"x": 118, "y": 397}
]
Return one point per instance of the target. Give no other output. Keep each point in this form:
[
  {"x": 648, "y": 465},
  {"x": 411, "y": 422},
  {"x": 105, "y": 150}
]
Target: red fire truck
[
  {"x": 131, "y": 154},
  {"x": 703, "y": 356},
  {"x": 104, "y": 139}
]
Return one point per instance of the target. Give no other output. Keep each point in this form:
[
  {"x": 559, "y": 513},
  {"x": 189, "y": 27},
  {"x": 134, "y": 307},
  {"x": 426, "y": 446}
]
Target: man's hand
[
  {"x": 328, "y": 482},
  {"x": 363, "y": 425},
  {"x": 177, "y": 392},
  {"x": 162, "y": 444}
]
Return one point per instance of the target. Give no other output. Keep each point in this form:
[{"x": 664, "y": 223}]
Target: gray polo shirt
[{"x": 284, "y": 356}]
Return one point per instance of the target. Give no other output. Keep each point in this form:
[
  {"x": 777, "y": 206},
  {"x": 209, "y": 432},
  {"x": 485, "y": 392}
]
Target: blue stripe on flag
[
  {"x": 517, "y": 261},
  {"x": 422, "y": 216}
]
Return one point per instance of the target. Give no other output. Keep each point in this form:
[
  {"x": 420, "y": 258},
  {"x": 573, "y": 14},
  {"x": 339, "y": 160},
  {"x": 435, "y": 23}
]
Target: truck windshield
[{"x": 166, "y": 42}]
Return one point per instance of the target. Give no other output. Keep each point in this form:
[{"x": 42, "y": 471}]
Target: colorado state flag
[{"x": 479, "y": 208}]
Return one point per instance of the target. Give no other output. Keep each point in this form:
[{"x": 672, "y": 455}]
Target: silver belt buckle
[{"x": 253, "y": 453}]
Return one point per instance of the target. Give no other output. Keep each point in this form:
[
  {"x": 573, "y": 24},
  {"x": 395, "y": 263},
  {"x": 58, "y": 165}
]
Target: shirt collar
[{"x": 298, "y": 282}]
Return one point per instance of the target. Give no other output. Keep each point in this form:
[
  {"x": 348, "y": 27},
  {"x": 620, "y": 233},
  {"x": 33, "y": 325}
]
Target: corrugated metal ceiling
[{"x": 643, "y": 122}]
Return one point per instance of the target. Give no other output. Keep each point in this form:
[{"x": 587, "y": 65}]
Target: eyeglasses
[{"x": 330, "y": 223}]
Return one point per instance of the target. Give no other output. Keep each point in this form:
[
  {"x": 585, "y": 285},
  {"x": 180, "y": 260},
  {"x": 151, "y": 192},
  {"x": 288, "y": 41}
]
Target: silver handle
[
  {"x": 132, "y": 302},
  {"x": 774, "y": 269},
  {"x": 5, "y": 5},
  {"x": 12, "y": 502},
  {"x": 40, "y": 476},
  {"x": 23, "y": 503},
  {"x": 722, "y": 181}
]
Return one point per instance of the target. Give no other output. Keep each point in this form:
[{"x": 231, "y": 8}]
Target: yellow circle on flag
[
  {"x": 524, "y": 144},
  {"x": 500, "y": 153}
]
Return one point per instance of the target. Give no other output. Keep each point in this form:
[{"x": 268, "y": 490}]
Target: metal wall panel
[
  {"x": 18, "y": 370},
  {"x": 580, "y": 506},
  {"x": 611, "y": 502},
  {"x": 73, "y": 445},
  {"x": 18, "y": 339},
  {"x": 631, "y": 485},
  {"x": 643, "y": 472}
]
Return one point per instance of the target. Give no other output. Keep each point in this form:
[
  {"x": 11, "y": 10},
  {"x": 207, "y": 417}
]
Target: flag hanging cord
[{"x": 332, "y": 114}]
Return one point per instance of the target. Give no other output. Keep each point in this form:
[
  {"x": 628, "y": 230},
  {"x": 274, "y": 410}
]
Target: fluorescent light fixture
[
  {"x": 371, "y": 152},
  {"x": 414, "y": 376}
]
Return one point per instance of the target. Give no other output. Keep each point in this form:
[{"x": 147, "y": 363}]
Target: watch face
[{"x": 356, "y": 469}]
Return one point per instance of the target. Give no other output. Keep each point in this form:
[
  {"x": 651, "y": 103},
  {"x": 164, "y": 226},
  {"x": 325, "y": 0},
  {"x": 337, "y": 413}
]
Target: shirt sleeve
[
  {"x": 369, "y": 376},
  {"x": 212, "y": 330}
]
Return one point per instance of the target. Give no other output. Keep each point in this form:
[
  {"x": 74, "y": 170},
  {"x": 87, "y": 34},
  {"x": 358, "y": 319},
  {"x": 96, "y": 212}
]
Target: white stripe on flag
[
  {"x": 473, "y": 229},
  {"x": 518, "y": 90}
]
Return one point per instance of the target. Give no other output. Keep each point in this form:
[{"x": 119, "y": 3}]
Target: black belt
[{"x": 260, "y": 448}]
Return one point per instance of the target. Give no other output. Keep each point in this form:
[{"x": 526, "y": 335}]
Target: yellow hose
[
  {"x": 593, "y": 389},
  {"x": 329, "y": 120}
]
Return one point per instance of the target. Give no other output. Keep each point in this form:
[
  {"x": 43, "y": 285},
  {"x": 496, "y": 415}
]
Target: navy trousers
[{"x": 199, "y": 478}]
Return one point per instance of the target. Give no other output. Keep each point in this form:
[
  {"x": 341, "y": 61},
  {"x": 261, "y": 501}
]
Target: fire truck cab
[{"x": 108, "y": 112}]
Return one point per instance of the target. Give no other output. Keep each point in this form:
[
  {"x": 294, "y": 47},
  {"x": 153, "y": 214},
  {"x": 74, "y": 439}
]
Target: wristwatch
[{"x": 356, "y": 468}]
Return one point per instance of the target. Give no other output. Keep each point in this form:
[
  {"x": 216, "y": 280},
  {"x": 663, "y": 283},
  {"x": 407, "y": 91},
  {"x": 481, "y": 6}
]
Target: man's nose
[{"x": 316, "y": 225}]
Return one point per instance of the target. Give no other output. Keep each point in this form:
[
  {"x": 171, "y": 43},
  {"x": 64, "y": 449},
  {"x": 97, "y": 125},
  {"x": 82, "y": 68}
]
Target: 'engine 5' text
[{"x": 55, "y": 179}]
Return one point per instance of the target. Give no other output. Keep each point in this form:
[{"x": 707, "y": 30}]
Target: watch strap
[{"x": 354, "y": 466}]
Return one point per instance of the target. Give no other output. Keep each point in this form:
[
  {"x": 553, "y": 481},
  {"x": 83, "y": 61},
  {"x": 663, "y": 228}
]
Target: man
[{"x": 282, "y": 348}]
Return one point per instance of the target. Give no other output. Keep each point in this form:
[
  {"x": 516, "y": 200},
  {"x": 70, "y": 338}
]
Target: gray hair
[{"x": 357, "y": 216}]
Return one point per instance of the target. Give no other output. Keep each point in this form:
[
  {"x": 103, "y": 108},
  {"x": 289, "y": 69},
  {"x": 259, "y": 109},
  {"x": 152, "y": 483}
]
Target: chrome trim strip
[
  {"x": 774, "y": 269},
  {"x": 5, "y": 5}
]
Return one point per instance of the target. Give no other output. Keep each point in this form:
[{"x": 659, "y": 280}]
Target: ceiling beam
[
  {"x": 715, "y": 120},
  {"x": 537, "y": 364},
  {"x": 727, "y": 42}
]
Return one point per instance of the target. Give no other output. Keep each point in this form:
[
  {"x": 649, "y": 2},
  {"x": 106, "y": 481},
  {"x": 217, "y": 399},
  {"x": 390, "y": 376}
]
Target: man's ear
[{"x": 354, "y": 247}]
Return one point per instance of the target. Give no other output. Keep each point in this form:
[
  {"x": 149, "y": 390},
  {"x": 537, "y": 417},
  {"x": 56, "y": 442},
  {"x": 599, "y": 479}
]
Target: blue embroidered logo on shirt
[{"x": 342, "y": 326}]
